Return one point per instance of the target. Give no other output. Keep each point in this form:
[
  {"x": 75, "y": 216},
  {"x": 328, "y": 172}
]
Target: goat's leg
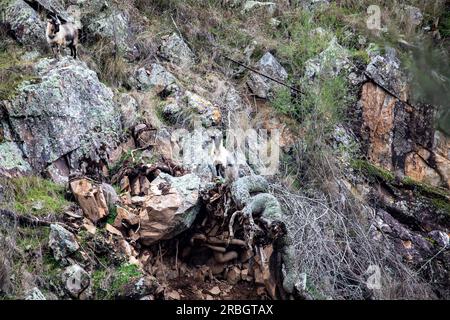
[
  {"x": 75, "y": 51},
  {"x": 72, "y": 53}
]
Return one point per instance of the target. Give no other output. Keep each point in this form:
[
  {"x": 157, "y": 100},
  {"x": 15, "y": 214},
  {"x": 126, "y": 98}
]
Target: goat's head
[{"x": 53, "y": 25}]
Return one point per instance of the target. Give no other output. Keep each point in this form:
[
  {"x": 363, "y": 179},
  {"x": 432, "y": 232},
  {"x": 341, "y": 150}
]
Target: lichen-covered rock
[
  {"x": 69, "y": 112},
  {"x": 103, "y": 21},
  {"x": 170, "y": 208},
  {"x": 385, "y": 70},
  {"x": 35, "y": 294},
  {"x": 261, "y": 86},
  {"x": 177, "y": 51},
  {"x": 24, "y": 22},
  {"x": 329, "y": 63},
  {"x": 129, "y": 111},
  {"x": 157, "y": 78},
  {"x": 208, "y": 114},
  {"x": 253, "y": 6},
  {"x": 76, "y": 280},
  {"x": 12, "y": 162},
  {"x": 62, "y": 242}
]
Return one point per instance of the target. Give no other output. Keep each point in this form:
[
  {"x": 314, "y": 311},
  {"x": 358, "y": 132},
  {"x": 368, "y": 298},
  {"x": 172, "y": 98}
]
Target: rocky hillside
[{"x": 225, "y": 150}]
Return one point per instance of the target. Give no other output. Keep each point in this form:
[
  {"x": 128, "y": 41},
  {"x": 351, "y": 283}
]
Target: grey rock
[
  {"x": 12, "y": 162},
  {"x": 261, "y": 86},
  {"x": 414, "y": 15},
  {"x": 177, "y": 51},
  {"x": 385, "y": 70},
  {"x": 107, "y": 23},
  {"x": 441, "y": 238},
  {"x": 68, "y": 112},
  {"x": 128, "y": 110},
  {"x": 157, "y": 78},
  {"x": 207, "y": 113},
  {"x": 254, "y": 6},
  {"x": 329, "y": 63},
  {"x": 62, "y": 242},
  {"x": 168, "y": 214},
  {"x": 35, "y": 294},
  {"x": 110, "y": 194},
  {"x": 24, "y": 22},
  {"x": 76, "y": 280}
]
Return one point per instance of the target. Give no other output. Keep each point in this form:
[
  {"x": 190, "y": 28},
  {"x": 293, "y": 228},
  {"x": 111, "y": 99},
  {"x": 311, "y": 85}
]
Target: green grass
[
  {"x": 12, "y": 74},
  {"x": 37, "y": 196},
  {"x": 108, "y": 284},
  {"x": 112, "y": 215}
]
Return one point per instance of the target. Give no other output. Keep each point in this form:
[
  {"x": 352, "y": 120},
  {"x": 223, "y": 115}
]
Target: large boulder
[
  {"x": 262, "y": 86},
  {"x": 170, "y": 207},
  {"x": 23, "y": 21},
  {"x": 62, "y": 242},
  {"x": 401, "y": 138},
  {"x": 177, "y": 51},
  {"x": 69, "y": 112}
]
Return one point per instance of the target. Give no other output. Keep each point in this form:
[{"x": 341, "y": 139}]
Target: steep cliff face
[
  {"x": 401, "y": 138},
  {"x": 132, "y": 207}
]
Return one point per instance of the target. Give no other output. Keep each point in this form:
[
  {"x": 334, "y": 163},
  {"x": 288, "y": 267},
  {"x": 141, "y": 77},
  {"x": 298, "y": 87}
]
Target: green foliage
[
  {"x": 36, "y": 195},
  {"x": 109, "y": 283},
  {"x": 302, "y": 43},
  {"x": 443, "y": 205},
  {"x": 373, "y": 171},
  {"x": 112, "y": 215}
]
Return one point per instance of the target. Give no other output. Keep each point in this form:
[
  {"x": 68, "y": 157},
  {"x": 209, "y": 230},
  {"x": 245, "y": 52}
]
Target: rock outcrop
[
  {"x": 24, "y": 22},
  {"x": 398, "y": 136},
  {"x": 261, "y": 86},
  {"x": 170, "y": 208},
  {"x": 177, "y": 51},
  {"x": 67, "y": 113}
]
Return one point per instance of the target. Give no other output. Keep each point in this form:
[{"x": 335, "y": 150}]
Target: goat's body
[
  {"x": 222, "y": 161},
  {"x": 65, "y": 37}
]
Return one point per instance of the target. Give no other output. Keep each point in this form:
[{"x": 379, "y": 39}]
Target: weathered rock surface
[
  {"x": 91, "y": 199},
  {"x": 12, "y": 162},
  {"x": 261, "y": 86},
  {"x": 177, "y": 51},
  {"x": 385, "y": 70},
  {"x": 253, "y": 6},
  {"x": 24, "y": 22},
  {"x": 208, "y": 113},
  {"x": 35, "y": 294},
  {"x": 76, "y": 280},
  {"x": 400, "y": 138},
  {"x": 62, "y": 242},
  {"x": 157, "y": 78},
  {"x": 170, "y": 208},
  {"x": 329, "y": 63},
  {"x": 69, "y": 112}
]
